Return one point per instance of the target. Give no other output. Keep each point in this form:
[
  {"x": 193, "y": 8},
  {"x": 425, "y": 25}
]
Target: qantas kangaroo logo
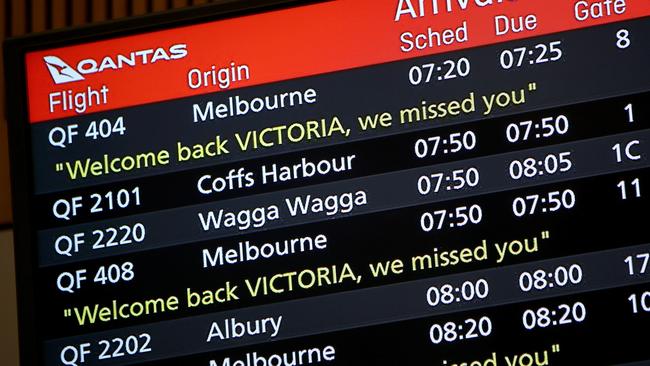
[
  {"x": 63, "y": 73},
  {"x": 60, "y": 71}
]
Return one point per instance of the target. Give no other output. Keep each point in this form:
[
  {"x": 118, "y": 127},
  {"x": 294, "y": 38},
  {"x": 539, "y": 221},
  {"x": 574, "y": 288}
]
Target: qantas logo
[
  {"x": 63, "y": 73},
  {"x": 60, "y": 71}
]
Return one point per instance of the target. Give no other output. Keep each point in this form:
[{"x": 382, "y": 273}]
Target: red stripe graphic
[{"x": 282, "y": 45}]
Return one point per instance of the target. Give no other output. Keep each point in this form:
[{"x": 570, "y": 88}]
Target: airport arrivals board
[{"x": 353, "y": 182}]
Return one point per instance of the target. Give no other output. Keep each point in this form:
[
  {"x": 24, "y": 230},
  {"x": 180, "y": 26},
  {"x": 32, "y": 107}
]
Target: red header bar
[{"x": 287, "y": 44}]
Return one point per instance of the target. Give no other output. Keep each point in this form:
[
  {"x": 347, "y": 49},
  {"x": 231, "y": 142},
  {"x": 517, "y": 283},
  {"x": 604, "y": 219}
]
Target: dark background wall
[{"x": 19, "y": 17}]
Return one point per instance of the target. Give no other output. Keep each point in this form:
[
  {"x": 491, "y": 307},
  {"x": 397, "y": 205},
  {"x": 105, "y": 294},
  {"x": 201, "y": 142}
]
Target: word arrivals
[
  {"x": 421, "y": 8},
  {"x": 293, "y": 358},
  {"x": 233, "y": 328},
  {"x": 247, "y": 252}
]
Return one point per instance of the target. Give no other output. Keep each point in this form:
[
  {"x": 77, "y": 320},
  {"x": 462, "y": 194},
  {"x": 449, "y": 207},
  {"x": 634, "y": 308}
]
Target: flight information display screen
[{"x": 354, "y": 182}]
